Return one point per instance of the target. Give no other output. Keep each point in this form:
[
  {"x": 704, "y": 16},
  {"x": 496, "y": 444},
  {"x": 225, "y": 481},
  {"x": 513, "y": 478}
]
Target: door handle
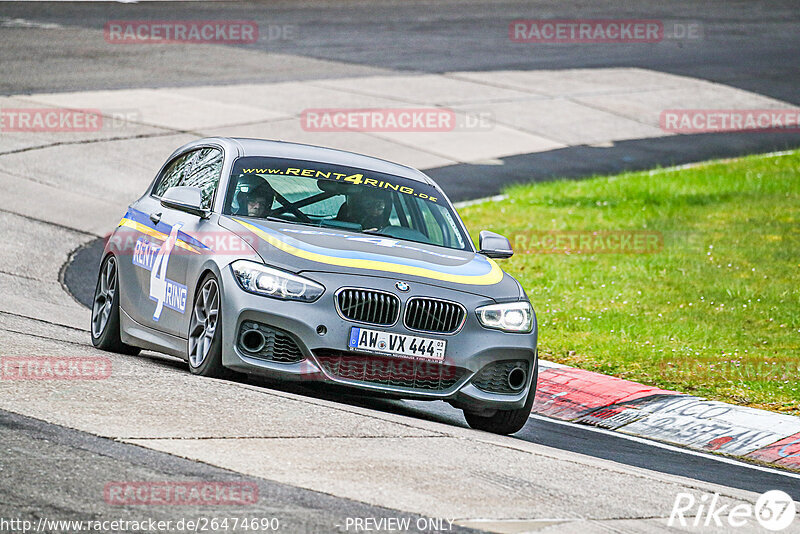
[{"x": 155, "y": 217}]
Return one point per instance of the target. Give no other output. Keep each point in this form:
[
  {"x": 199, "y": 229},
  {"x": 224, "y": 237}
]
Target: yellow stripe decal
[
  {"x": 492, "y": 277},
  {"x": 128, "y": 223}
]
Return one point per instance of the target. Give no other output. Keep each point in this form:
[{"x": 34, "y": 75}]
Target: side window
[
  {"x": 200, "y": 168},
  {"x": 169, "y": 178}
]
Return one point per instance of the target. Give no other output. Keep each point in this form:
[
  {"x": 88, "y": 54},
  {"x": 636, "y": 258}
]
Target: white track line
[
  {"x": 682, "y": 450},
  {"x": 465, "y": 203},
  {"x": 715, "y": 161}
]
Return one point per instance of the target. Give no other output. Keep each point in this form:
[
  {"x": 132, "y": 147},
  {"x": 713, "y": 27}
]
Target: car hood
[{"x": 298, "y": 248}]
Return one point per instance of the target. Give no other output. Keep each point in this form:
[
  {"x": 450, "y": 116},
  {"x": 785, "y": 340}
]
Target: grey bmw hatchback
[{"x": 305, "y": 263}]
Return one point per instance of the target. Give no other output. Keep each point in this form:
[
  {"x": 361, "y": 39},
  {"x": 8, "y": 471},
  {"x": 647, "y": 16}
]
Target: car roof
[{"x": 282, "y": 149}]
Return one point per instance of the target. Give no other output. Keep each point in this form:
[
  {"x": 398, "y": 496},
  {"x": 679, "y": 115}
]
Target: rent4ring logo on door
[{"x": 155, "y": 259}]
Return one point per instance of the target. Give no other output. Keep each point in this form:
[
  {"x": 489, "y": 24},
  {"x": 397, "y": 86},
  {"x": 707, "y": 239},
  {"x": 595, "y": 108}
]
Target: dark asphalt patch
[
  {"x": 753, "y": 47},
  {"x": 468, "y": 181},
  {"x": 57, "y": 473},
  {"x": 79, "y": 275}
]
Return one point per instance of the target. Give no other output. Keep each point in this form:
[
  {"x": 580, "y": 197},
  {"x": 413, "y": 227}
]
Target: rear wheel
[
  {"x": 505, "y": 421},
  {"x": 105, "y": 310},
  {"x": 205, "y": 331}
]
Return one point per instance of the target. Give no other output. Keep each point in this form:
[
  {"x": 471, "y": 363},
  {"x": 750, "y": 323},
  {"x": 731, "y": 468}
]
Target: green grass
[{"x": 715, "y": 312}]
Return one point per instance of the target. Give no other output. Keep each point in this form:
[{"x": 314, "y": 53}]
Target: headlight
[
  {"x": 509, "y": 317},
  {"x": 262, "y": 280}
]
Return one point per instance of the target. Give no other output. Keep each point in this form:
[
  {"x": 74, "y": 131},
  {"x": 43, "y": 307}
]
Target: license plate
[{"x": 396, "y": 344}]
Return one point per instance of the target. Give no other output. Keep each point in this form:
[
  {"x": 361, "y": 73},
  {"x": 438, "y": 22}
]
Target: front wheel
[
  {"x": 505, "y": 421},
  {"x": 205, "y": 331},
  {"x": 105, "y": 310}
]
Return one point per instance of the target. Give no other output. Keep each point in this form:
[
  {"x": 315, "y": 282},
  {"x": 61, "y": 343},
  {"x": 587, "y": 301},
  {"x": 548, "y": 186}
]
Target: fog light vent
[{"x": 502, "y": 377}]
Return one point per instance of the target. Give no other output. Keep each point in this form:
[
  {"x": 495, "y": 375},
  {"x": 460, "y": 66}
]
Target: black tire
[
  {"x": 210, "y": 363},
  {"x": 104, "y": 325},
  {"x": 506, "y": 421}
]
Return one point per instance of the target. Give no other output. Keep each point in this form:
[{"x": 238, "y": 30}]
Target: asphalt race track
[
  {"x": 321, "y": 458},
  {"x": 742, "y": 45}
]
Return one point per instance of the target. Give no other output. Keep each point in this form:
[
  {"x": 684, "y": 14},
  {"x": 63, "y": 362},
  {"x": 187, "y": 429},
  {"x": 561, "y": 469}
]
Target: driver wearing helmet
[
  {"x": 257, "y": 201},
  {"x": 367, "y": 208}
]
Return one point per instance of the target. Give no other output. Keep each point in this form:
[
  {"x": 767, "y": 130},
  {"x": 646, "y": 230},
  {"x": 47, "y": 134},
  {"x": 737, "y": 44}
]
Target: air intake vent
[
  {"x": 368, "y": 306},
  {"x": 387, "y": 371},
  {"x": 264, "y": 343},
  {"x": 434, "y": 315},
  {"x": 502, "y": 377}
]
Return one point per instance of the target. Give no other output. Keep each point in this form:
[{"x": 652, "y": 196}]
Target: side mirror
[
  {"x": 185, "y": 198},
  {"x": 494, "y": 245}
]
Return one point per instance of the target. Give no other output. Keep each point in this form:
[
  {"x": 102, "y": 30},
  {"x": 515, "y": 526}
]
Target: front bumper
[{"x": 468, "y": 350}]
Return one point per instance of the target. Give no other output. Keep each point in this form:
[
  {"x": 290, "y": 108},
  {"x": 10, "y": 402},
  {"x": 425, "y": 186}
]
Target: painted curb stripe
[
  {"x": 569, "y": 393},
  {"x": 785, "y": 452},
  {"x": 711, "y": 425},
  {"x": 611, "y": 403},
  {"x": 617, "y": 415},
  {"x": 491, "y": 274}
]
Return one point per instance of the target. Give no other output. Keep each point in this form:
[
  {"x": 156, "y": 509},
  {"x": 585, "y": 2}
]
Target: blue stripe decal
[{"x": 142, "y": 218}]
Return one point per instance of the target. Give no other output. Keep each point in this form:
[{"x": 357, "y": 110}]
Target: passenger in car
[{"x": 369, "y": 209}]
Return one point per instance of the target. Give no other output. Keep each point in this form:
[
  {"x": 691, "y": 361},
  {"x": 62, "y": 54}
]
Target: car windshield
[{"x": 334, "y": 196}]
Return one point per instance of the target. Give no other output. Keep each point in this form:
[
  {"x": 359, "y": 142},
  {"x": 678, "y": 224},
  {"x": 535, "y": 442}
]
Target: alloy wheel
[
  {"x": 104, "y": 297},
  {"x": 203, "y": 322}
]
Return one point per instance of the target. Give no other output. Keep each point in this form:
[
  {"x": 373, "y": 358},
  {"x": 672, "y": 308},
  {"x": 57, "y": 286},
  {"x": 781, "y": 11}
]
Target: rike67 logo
[{"x": 774, "y": 510}]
